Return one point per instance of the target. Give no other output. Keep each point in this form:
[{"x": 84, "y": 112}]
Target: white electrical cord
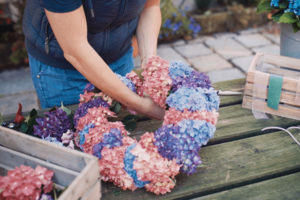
[{"x": 286, "y": 130}]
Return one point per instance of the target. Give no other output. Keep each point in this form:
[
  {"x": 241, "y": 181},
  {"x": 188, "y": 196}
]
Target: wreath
[{"x": 153, "y": 162}]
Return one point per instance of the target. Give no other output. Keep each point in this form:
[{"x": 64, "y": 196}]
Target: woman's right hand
[{"x": 149, "y": 108}]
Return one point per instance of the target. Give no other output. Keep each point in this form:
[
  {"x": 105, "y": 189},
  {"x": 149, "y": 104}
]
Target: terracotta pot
[{"x": 135, "y": 47}]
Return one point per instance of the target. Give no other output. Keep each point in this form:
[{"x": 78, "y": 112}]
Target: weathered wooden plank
[
  {"x": 283, "y": 110},
  {"x": 94, "y": 193},
  {"x": 13, "y": 159},
  {"x": 225, "y": 100},
  {"x": 38, "y": 148},
  {"x": 286, "y": 187},
  {"x": 83, "y": 182},
  {"x": 228, "y": 165},
  {"x": 234, "y": 123}
]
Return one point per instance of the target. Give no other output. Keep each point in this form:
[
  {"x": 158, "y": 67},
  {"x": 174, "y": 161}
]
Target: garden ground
[{"x": 223, "y": 56}]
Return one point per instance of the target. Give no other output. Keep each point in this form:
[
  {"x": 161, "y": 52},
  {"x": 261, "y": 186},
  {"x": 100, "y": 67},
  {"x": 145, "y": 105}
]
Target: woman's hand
[{"x": 150, "y": 109}]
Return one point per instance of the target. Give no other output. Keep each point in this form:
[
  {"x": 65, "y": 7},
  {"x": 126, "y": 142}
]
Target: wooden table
[{"x": 240, "y": 162}]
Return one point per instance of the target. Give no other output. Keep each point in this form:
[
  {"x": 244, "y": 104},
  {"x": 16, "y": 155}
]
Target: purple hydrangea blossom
[
  {"x": 194, "y": 99},
  {"x": 179, "y": 68},
  {"x": 128, "y": 162},
  {"x": 83, "y": 108},
  {"x": 172, "y": 144},
  {"x": 194, "y": 80},
  {"x": 54, "y": 124},
  {"x": 110, "y": 140},
  {"x": 127, "y": 82},
  {"x": 89, "y": 87}
]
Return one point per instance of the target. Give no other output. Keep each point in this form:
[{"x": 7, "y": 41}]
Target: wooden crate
[
  {"x": 280, "y": 65},
  {"x": 73, "y": 169}
]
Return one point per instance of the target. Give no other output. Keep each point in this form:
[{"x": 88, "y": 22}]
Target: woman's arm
[
  {"x": 148, "y": 30},
  {"x": 70, "y": 30}
]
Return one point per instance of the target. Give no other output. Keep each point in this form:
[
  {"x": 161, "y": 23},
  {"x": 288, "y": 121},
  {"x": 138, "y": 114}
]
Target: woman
[{"x": 73, "y": 42}]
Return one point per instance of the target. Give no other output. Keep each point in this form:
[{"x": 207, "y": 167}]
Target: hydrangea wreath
[{"x": 155, "y": 160}]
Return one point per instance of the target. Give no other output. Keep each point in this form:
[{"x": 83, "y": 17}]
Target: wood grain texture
[
  {"x": 234, "y": 123},
  {"x": 283, "y": 110},
  {"x": 228, "y": 165},
  {"x": 285, "y": 97},
  {"x": 282, "y": 188}
]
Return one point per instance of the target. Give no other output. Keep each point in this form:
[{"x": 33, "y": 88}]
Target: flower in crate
[
  {"x": 179, "y": 68},
  {"x": 52, "y": 140},
  {"x": 86, "y": 97},
  {"x": 54, "y": 124},
  {"x": 25, "y": 183},
  {"x": 83, "y": 108},
  {"x": 157, "y": 82},
  {"x": 194, "y": 99},
  {"x": 67, "y": 137}
]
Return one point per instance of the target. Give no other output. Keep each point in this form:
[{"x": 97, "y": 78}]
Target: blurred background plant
[
  {"x": 176, "y": 23},
  {"x": 11, "y": 33}
]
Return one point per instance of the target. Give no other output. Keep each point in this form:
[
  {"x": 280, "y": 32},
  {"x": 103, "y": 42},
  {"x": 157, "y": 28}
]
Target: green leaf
[
  {"x": 67, "y": 110},
  {"x": 298, "y": 23},
  {"x": 130, "y": 118},
  {"x": 130, "y": 126},
  {"x": 24, "y": 127},
  {"x": 117, "y": 107},
  {"x": 288, "y": 18},
  {"x": 283, "y": 4},
  {"x": 1, "y": 190},
  {"x": 276, "y": 16},
  {"x": 1, "y": 119},
  {"x": 296, "y": 28},
  {"x": 116, "y": 192},
  {"x": 52, "y": 109},
  {"x": 264, "y": 6},
  {"x": 27, "y": 119},
  {"x": 33, "y": 113},
  {"x": 113, "y": 103}
]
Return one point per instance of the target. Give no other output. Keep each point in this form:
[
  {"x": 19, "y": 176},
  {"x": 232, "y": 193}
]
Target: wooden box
[
  {"x": 72, "y": 169},
  {"x": 289, "y": 69}
]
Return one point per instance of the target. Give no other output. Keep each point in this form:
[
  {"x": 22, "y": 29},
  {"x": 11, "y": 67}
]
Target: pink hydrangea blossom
[
  {"x": 111, "y": 167},
  {"x": 174, "y": 116},
  {"x": 137, "y": 81},
  {"x": 86, "y": 97},
  {"x": 25, "y": 183},
  {"x": 157, "y": 82}
]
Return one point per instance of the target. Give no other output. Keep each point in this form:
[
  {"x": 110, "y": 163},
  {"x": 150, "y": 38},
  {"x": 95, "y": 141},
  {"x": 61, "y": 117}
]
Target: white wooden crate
[{"x": 73, "y": 169}]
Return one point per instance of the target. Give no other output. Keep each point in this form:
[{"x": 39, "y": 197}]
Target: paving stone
[
  {"x": 199, "y": 39},
  {"x": 255, "y": 40},
  {"x": 188, "y": 5},
  {"x": 228, "y": 48},
  {"x": 271, "y": 49},
  {"x": 225, "y": 35},
  {"x": 225, "y": 75},
  {"x": 15, "y": 81},
  {"x": 9, "y": 104},
  {"x": 193, "y": 50},
  {"x": 210, "y": 62},
  {"x": 250, "y": 31},
  {"x": 164, "y": 45},
  {"x": 179, "y": 43},
  {"x": 170, "y": 54},
  {"x": 274, "y": 38},
  {"x": 243, "y": 62},
  {"x": 137, "y": 62}
]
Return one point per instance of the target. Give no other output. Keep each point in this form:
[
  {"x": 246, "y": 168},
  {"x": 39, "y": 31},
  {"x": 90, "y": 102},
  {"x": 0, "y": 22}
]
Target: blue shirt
[{"x": 61, "y": 6}]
